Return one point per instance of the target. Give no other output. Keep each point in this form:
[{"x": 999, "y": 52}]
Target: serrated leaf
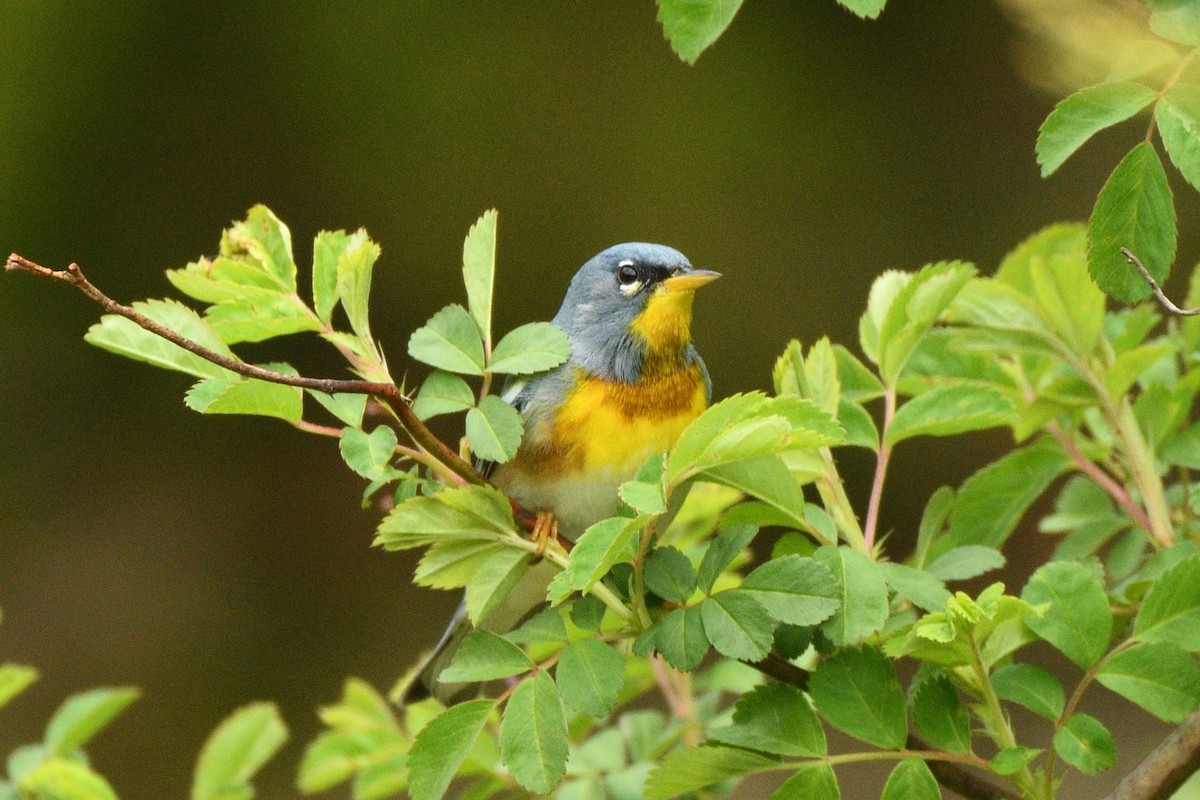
[
  {"x": 442, "y": 745},
  {"x": 669, "y": 574},
  {"x": 1159, "y": 677},
  {"x": 589, "y": 675},
  {"x": 474, "y": 513},
  {"x": 1135, "y": 210},
  {"x": 64, "y": 779},
  {"x": 1178, "y": 118},
  {"x": 248, "y": 396},
  {"x": 737, "y": 626},
  {"x": 494, "y": 430},
  {"x": 479, "y": 270},
  {"x": 966, "y": 562},
  {"x": 328, "y": 247},
  {"x": 859, "y": 384},
  {"x": 82, "y": 716},
  {"x": 600, "y": 547},
  {"x": 867, "y": 9},
  {"x": 1078, "y": 621},
  {"x": 950, "y": 410},
  {"x": 1011, "y": 760},
  {"x": 862, "y": 595},
  {"x": 1084, "y": 743},
  {"x": 450, "y": 341},
  {"x": 533, "y": 347},
  {"x": 774, "y": 718},
  {"x": 368, "y": 454},
  {"x": 442, "y": 393},
  {"x": 545, "y": 626},
  {"x": 484, "y": 656},
  {"x": 1177, "y": 20},
  {"x": 1031, "y": 687},
  {"x": 645, "y": 498},
  {"x": 126, "y": 338},
  {"x": 814, "y": 780},
  {"x": 911, "y": 780},
  {"x": 14, "y": 679},
  {"x": 355, "y": 264},
  {"x": 917, "y": 586},
  {"x": 858, "y": 424},
  {"x": 691, "y": 26},
  {"x": 494, "y": 578},
  {"x": 237, "y": 750},
  {"x": 1170, "y": 611},
  {"x": 858, "y": 692},
  {"x": 256, "y": 318},
  {"x": 349, "y": 408},
  {"x": 680, "y": 638},
  {"x": 795, "y": 590},
  {"x": 267, "y": 240},
  {"x": 941, "y": 716},
  {"x": 1077, "y": 118},
  {"x": 767, "y": 479},
  {"x": 533, "y": 734},
  {"x": 692, "y": 768}
]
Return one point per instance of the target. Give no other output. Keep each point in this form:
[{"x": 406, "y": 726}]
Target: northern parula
[{"x": 633, "y": 382}]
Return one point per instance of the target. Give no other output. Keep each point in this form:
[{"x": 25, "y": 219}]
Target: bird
[{"x": 631, "y": 385}]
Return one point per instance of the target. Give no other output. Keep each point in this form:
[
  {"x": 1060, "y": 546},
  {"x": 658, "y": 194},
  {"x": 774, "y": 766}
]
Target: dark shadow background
[{"x": 214, "y": 561}]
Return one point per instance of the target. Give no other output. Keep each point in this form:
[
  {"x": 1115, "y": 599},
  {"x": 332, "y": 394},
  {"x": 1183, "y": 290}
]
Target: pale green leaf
[
  {"x": 858, "y": 692},
  {"x": 1084, "y": 743},
  {"x": 479, "y": 270},
  {"x": 1171, "y": 610},
  {"x": 450, "y": 341},
  {"x": 14, "y": 679},
  {"x": 1068, "y": 300},
  {"x": 691, "y": 26},
  {"x": 248, "y": 396},
  {"x": 124, "y": 337},
  {"x": 589, "y": 674},
  {"x": 368, "y": 454},
  {"x": 867, "y": 9},
  {"x": 328, "y": 247},
  {"x": 645, "y": 498},
  {"x": 533, "y": 734},
  {"x": 1158, "y": 676},
  {"x": 465, "y": 514},
  {"x": 348, "y": 408},
  {"x": 862, "y": 595},
  {"x": 442, "y": 745},
  {"x": 949, "y": 410},
  {"x": 355, "y": 264},
  {"x": 494, "y": 430},
  {"x": 258, "y": 318},
  {"x": 1078, "y": 621},
  {"x": 1077, "y": 118},
  {"x": 494, "y": 578},
  {"x": 484, "y": 656},
  {"x": 692, "y": 768},
  {"x": 267, "y": 240},
  {"x": 237, "y": 750},
  {"x": 1177, "y": 20},
  {"x": 533, "y": 347},
  {"x": 442, "y": 393},
  {"x": 602, "y": 545},
  {"x": 82, "y": 716},
  {"x": 64, "y": 779}
]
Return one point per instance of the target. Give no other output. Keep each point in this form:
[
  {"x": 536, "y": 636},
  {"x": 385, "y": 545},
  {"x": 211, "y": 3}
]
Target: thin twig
[
  {"x": 1101, "y": 478},
  {"x": 1159, "y": 774},
  {"x": 1163, "y": 300},
  {"x": 388, "y": 393},
  {"x": 881, "y": 466}
]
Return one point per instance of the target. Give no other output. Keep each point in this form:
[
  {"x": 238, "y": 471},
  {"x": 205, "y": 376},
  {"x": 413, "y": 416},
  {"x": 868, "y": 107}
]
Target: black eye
[{"x": 627, "y": 275}]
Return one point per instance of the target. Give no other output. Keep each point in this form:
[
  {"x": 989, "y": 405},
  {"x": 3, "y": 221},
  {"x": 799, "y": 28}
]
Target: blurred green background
[{"x": 214, "y": 561}]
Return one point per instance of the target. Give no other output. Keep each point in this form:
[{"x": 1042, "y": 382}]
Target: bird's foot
[{"x": 545, "y": 530}]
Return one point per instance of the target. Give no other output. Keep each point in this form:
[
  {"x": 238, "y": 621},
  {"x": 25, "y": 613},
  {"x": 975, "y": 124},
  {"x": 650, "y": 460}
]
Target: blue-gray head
[{"x": 631, "y": 301}]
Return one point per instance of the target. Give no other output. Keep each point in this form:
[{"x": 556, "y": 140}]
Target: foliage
[{"x": 1098, "y": 403}]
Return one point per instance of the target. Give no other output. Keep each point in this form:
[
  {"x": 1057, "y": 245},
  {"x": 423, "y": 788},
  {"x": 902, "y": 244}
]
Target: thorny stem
[
  {"x": 881, "y": 465},
  {"x": 388, "y": 393}
]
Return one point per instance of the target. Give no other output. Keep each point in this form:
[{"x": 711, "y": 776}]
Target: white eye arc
[{"x": 627, "y": 278}]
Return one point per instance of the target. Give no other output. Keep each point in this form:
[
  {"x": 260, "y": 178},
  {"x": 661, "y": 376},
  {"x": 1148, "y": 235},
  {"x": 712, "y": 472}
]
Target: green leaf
[
  {"x": 442, "y": 393},
  {"x": 474, "y": 513},
  {"x": 1011, "y": 760},
  {"x": 1068, "y": 300},
  {"x": 587, "y": 613},
  {"x": 236, "y": 750},
  {"x": 1135, "y": 210},
  {"x": 600, "y": 547},
  {"x": 766, "y": 478},
  {"x": 533, "y": 734},
  {"x": 774, "y": 718},
  {"x": 1177, "y": 20},
  {"x": 1077, "y": 118},
  {"x": 867, "y": 9},
  {"x": 348, "y": 408},
  {"x": 691, "y": 26},
  {"x": 266, "y": 239},
  {"x": 355, "y": 263},
  {"x": 260, "y": 317},
  {"x": 949, "y": 410},
  {"x": 479, "y": 270},
  {"x": 680, "y": 638},
  {"x": 442, "y": 745},
  {"x": 589, "y": 674},
  {"x": 450, "y": 341},
  {"x": 248, "y": 396},
  {"x": 693, "y": 768},
  {"x": 494, "y": 430},
  {"x": 737, "y": 625},
  {"x": 941, "y": 716},
  {"x": 862, "y": 595},
  {"x": 1031, "y": 687},
  {"x": 1078, "y": 621},
  {"x": 992, "y": 501},
  {"x": 858, "y": 424},
  {"x": 82, "y": 716},
  {"x": 669, "y": 574},
  {"x": 484, "y": 656},
  {"x": 126, "y": 338},
  {"x": 911, "y": 780},
  {"x": 643, "y": 497},
  {"x": 533, "y": 347},
  {"x": 859, "y": 384},
  {"x": 1178, "y": 118},
  {"x": 14, "y": 679},
  {"x": 795, "y": 590},
  {"x": 64, "y": 779},
  {"x": 493, "y": 580},
  {"x": 857, "y": 690},
  {"x": 1159, "y": 677},
  {"x": 814, "y": 780},
  {"x": 917, "y": 586},
  {"x": 1170, "y": 611},
  {"x": 966, "y": 562},
  {"x": 546, "y": 626},
  {"x": 933, "y": 522},
  {"x": 1084, "y": 743},
  {"x": 328, "y": 247},
  {"x": 368, "y": 454}
]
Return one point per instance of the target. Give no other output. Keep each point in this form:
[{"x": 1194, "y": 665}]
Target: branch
[
  {"x": 953, "y": 776},
  {"x": 1101, "y": 478},
  {"x": 1166, "y": 768},
  {"x": 387, "y": 393},
  {"x": 1163, "y": 300}
]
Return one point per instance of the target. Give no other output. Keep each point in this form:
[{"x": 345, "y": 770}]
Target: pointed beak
[{"x": 690, "y": 280}]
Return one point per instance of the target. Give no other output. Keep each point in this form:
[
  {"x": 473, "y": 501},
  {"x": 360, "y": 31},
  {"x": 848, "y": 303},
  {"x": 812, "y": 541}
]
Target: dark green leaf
[
  {"x": 992, "y": 501},
  {"x": 796, "y": 590},
  {"x": 484, "y": 656},
  {"x": 236, "y": 750},
  {"x": 911, "y": 780},
  {"x": 479, "y": 270},
  {"x": 814, "y": 780},
  {"x": 680, "y": 638},
  {"x": 1031, "y": 687},
  {"x": 774, "y": 718},
  {"x": 791, "y": 641},
  {"x": 691, "y": 26},
  {"x": 1077, "y": 118},
  {"x": 1084, "y": 743},
  {"x": 1171, "y": 610},
  {"x": 696, "y": 767},
  {"x": 737, "y": 625},
  {"x": 589, "y": 676},
  {"x": 1013, "y": 759},
  {"x": 1134, "y": 210},
  {"x": 1078, "y": 621},
  {"x": 862, "y": 592},
  {"x": 82, "y": 716},
  {"x": 941, "y": 716},
  {"x": 442, "y": 393},
  {"x": 450, "y": 341},
  {"x": 721, "y": 552},
  {"x": 534, "y": 347},
  {"x": 533, "y": 734},
  {"x": 917, "y": 586},
  {"x": 494, "y": 430},
  {"x": 442, "y": 745},
  {"x": 1178, "y": 118},
  {"x": 669, "y": 574},
  {"x": 1159, "y": 677},
  {"x": 858, "y": 692}
]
